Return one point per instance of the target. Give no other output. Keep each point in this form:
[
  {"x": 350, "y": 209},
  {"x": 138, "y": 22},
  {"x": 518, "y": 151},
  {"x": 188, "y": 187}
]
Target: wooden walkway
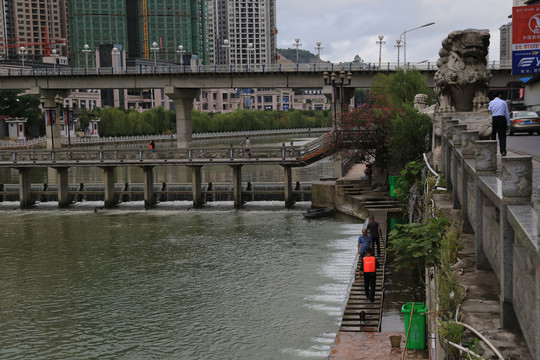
[{"x": 357, "y": 298}]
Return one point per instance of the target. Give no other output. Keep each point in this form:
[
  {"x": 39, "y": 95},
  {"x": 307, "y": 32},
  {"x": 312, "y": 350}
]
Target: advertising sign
[
  {"x": 68, "y": 117},
  {"x": 526, "y": 40},
  {"x": 50, "y": 117}
]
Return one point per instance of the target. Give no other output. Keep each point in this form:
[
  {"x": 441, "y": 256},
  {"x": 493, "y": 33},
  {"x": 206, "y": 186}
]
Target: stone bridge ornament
[{"x": 462, "y": 80}]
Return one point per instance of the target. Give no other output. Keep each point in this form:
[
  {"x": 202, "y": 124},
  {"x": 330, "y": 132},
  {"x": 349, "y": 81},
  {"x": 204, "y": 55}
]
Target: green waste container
[
  {"x": 392, "y": 182},
  {"x": 417, "y": 334},
  {"x": 395, "y": 221}
]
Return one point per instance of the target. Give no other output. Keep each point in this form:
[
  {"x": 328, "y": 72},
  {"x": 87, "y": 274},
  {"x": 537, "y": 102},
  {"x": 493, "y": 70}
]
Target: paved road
[{"x": 522, "y": 143}]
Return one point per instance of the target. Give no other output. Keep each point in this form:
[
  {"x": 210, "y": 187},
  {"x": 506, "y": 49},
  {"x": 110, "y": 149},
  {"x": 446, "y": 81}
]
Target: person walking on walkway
[
  {"x": 500, "y": 121},
  {"x": 248, "y": 146},
  {"x": 364, "y": 243},
  {"x": 376, "y": 233},
  {"x": 368, "y": 266}
]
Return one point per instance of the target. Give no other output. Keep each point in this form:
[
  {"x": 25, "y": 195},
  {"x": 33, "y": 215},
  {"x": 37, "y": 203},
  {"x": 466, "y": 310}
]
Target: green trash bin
[
  {"x": 392, "y": 182},
  {"x": 394, "y": 221},
  {"x": 417, "y": 334}
]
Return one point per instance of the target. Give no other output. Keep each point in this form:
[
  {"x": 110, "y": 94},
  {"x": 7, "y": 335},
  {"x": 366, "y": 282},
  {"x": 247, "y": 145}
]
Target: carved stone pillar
[
  {"x": 468, "y": 139},
  {"x": 486, "y": 157}
]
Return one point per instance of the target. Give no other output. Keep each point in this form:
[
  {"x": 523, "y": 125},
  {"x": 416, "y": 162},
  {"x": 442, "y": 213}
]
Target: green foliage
[
  {"x": 27, "y": 106},
  {"x": 453, "y": 332},
  {"x": 304, "y": 56},
  {"x": 411, "y": 174},
  {"x": 417, "y": 245},
  {"x": 402, "y": 86},
  {"x": 409, "y": 135}
]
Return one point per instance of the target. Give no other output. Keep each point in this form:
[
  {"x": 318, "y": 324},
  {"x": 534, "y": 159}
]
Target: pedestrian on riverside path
[
  {"x": 364, "y": 243},
  {"x": 152, "y": 145},
  {"x": 376, "y": 233},
  {"x": 500, "y": 122},
  {"x": 368, "y": 266},
  {"x": 248, "y": 146}
]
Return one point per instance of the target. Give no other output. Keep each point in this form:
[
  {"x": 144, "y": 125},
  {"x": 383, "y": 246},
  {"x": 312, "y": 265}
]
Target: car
[{"x": 524, "y": 121}]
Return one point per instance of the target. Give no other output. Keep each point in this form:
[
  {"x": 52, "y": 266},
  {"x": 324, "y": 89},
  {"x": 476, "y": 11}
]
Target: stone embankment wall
[{"x": 495, "y": 196}]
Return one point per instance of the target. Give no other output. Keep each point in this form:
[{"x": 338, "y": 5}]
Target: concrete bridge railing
[{"x": 495, "y": 196}]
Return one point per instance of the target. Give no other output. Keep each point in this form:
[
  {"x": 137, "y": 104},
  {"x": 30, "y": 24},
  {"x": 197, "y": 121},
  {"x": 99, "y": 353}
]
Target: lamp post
[
  {"x": 318, "y": 48},
  {"x": 297, "y": 45},
  {"x": 344, "y": 79},
  {"x": 380, "y": 43},
  {"x": 404, "y": 34},
  {"x": 155, "y": 49},
  {"x": 181, "y": 52},
  {"x": 227, "y": 46},
  {"x": 50, "y": 117},
  {"x": 54, "y": 54},
  {"x": 22, "y": 52},
  {"x": 249, "y": 49},
  {"x": 86, "y": 50},
  {"x": 398, "y": 45}
]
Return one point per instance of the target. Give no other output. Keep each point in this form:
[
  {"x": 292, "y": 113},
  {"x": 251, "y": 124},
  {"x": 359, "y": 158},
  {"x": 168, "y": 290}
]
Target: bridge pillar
[
  {"x": 110, "y": 193},
  {"x": 289, "y": 198},
  {"x": 196, "y": 180},
  {"x": 63, "y": 188},
  {"x": 183, "y": 103},
  {"x": 339, "y": 97},
  {"x": 237, "y": 185},
  {"x": 26, "y": 199},
  {"x": 149, "y": 198}
]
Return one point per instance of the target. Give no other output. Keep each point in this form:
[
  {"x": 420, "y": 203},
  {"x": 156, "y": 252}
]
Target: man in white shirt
[{"x": 500, "y": 121}]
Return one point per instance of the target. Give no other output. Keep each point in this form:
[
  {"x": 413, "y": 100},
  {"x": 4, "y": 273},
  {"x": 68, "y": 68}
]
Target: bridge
[
  {"x": 182, "y": 84},
  {"x": 287, "y": 156}
]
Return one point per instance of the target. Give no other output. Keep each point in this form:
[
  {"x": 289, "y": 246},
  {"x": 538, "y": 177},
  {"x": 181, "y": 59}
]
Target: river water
[{"x": 262, "y": 283}]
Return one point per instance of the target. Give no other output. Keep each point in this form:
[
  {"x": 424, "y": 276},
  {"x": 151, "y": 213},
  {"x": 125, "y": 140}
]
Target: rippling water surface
[{"x": 263, "y": 284}]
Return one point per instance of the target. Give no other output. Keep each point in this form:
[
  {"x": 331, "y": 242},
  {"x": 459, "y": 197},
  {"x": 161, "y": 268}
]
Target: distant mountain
[{"x": 304, "y": 56}]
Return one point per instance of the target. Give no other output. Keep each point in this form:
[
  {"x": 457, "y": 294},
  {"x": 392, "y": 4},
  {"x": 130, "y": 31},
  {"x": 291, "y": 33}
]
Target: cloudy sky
[{"x": 351, "y": 27}]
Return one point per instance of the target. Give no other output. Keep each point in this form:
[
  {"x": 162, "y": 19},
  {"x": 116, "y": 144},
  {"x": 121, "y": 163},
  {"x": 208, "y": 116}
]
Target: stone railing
[{"x": 496, "y": 199}]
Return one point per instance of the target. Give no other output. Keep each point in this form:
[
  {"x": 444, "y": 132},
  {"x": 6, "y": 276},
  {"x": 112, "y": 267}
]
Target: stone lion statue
[{"x": 462, "y": 80}]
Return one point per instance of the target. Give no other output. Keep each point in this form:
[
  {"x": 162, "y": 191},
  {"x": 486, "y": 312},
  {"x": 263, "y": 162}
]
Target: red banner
[{"x": 525, "y": 25}]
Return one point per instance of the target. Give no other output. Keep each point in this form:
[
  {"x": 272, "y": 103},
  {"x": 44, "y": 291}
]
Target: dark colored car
[{"x": 524, "y": 121}]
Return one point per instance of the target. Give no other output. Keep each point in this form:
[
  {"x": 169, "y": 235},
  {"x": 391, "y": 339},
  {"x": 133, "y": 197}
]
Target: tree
[
  {"x": 409, "y": 135},
  {"x": 402, "y": 86},
  {"x": 27, "y": 106}
]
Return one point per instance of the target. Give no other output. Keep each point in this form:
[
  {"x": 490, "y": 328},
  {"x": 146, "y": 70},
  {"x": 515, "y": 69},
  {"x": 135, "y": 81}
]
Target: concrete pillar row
[
  {"x": 149, "y": 198},
  {"x": 516, "y": 177},
  {"x": 110, "y": 192},
  {"x": 63, "y": 187},
  {"x": 468, "y": 139},
  {"x": 485, "y": 154},
  {"x": 289, "y": 199},
  {"x": 183, "y": 103},
  {"x": 196, "y": 182},
  {"x": 26, "y": 199},
  {"x": 237, "y": 186}
]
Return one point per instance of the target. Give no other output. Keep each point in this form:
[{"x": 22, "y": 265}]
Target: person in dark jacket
[{"x": 376, "y": 233}]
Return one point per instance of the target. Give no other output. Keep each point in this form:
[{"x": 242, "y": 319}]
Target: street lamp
[
  {"x": 318, "y": 48},
  {"x": 54, "y": 54},
  {"x": 344, "y": 79},
  {"x": 181, "y": 52},
  {"x": 404, "y": 34},
  {"x": 297, "y": 45},
  {"x": 155, "y": 49},
  {"x": 398, "y": 45},
  {"x": 227, "y": 46},
  {"x": 380, "y": 43},
  {"x": 50, "y": 117},
  {"x": 22, "y": 52},
  {"x": 86, "y": 51},
  {"x": 249, "y": 49}
]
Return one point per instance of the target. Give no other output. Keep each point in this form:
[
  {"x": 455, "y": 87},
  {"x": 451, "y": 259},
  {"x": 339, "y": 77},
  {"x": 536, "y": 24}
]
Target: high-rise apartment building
[
  {"x": 136, "y": 25},
  {"x": 37, "y": 25},
  {"x": 236, "y": 23},
  {"x": 505, "y": 52}
]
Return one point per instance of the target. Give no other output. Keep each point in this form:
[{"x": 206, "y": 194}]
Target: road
[{"x": 524, "y": 144}]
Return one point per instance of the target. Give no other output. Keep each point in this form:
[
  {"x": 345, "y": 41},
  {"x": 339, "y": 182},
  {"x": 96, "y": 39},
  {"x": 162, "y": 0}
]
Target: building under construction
[
  {"x": 32, "y": 29},
  {"x": 135, "y": 25}
]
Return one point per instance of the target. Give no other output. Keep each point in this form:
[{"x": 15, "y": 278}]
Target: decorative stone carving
[
  {"x": 516, "y": 176},
  {"x": 462, "y": 80},
  {"x": 420, "y": 101},
  {"x": 486, "y": 156}
]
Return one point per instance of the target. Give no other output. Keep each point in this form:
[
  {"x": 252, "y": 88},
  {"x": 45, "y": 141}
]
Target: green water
[{"x": 225, "y": 284}]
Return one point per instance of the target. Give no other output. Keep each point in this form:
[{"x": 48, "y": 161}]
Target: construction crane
[
  {"x": 145, "y": 22},
  {"x": 47, "y": 44}
]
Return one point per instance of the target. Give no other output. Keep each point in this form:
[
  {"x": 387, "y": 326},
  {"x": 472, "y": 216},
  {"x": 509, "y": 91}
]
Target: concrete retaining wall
[{"x": 495, "y": 196}]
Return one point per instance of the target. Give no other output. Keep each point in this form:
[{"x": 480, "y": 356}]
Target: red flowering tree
[{"x": 364, "y": 131}]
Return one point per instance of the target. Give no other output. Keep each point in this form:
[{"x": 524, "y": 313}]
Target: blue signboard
[{"x": 526, "y": 62}]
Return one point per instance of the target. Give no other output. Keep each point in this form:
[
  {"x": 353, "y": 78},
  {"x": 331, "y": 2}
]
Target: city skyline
[{"x": 351, "y": 27}]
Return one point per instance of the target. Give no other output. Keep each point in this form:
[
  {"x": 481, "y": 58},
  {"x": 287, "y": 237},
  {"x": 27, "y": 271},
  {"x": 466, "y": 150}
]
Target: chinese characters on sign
[{"x": 526, "y": 40}]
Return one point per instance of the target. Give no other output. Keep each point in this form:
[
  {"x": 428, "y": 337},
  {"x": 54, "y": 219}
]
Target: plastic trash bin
[
  {"x": 417, "y": 334},
  {"x": 392, "y": 183}
]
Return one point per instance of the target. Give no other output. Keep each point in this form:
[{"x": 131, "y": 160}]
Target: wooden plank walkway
[{"x": 358, "y": 301}]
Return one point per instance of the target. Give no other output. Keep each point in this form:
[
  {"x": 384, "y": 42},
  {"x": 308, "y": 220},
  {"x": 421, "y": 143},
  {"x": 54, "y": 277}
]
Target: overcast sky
[{"x": 351, "y": 27}]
